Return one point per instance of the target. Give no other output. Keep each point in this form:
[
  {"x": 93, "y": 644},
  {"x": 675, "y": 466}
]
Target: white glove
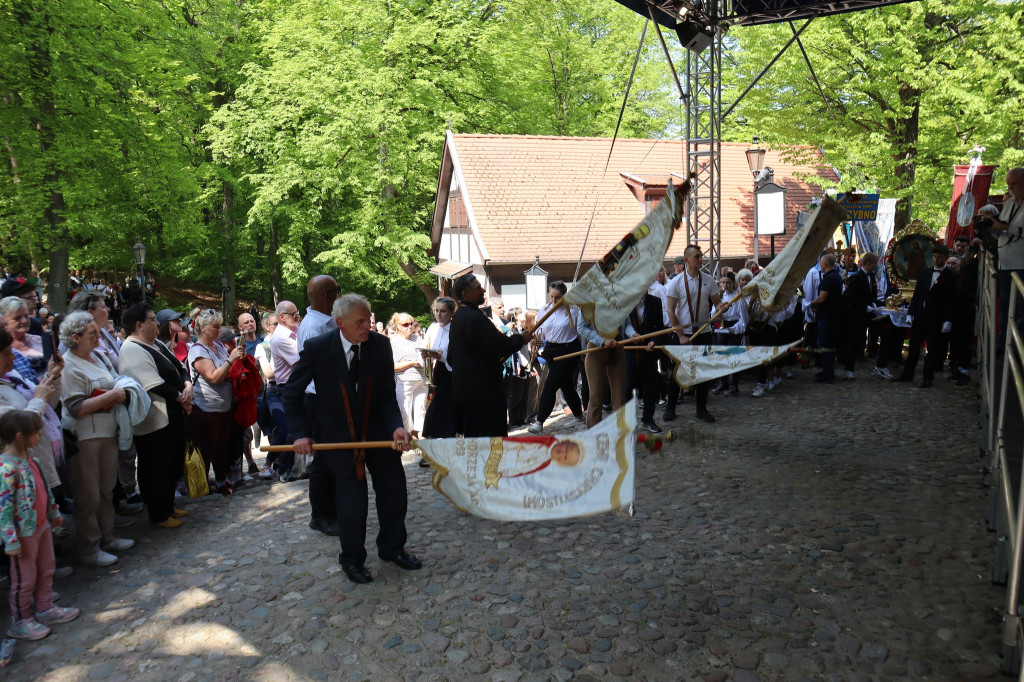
[
  {"x": 910, "y": 319},
  {"x": 947, "y": 327}
]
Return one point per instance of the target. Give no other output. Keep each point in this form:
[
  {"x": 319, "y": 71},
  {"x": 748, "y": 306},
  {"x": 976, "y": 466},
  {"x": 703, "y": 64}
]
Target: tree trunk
[
  {"x": 227, "y": 217},
  {"x": 906, "y": 157},
  {"x": 410, "y": 269},
  {"x": 274, "y": 263}
]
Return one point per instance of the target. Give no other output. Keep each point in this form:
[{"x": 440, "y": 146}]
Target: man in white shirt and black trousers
[
  {"x": 321, "y": 291},
  {"x": 691, "y": 296}
]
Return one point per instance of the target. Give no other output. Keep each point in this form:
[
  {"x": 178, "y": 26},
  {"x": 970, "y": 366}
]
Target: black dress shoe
[
  {"x": 706, "y": 416},
  {"x": 424, "y": 464},
  {"x": 904, "y": 378},
  {"x": 404, "y": 560},
  {"x": 357, "y": 573},
  {"x": 325, "y": 526},
  {"x": 670, "y": 415}
]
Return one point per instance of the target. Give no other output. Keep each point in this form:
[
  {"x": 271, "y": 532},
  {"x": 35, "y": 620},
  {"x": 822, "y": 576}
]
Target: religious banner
[
  {"x": 612, "y": 287},
  {"x": 697, "y": 364},
  {"x": 776, "y": 283},
  {"x": 537, "y": 478}
]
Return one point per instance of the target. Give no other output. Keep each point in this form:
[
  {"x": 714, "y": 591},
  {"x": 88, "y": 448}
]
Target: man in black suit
[
  {"x": 642, "y": 366},
  {"x": 354, "y": 376},
  {"x": 931, "y": 316},
  {"x": 476, "y": 352},
  {"x": 859, "y": 302}
]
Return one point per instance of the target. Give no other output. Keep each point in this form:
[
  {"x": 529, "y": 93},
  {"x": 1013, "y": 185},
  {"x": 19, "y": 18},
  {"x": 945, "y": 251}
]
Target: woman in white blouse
[
  {"x": 410, "y": 385},
  {"x": 560, "y": 338}
]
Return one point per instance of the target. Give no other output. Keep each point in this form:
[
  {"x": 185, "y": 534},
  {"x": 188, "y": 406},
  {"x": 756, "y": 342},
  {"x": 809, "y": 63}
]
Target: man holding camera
[{"x": 1008, "y": 229}]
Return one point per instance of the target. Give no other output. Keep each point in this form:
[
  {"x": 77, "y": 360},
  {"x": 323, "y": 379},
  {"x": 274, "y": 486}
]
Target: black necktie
[{"x": 353, "y": 365}]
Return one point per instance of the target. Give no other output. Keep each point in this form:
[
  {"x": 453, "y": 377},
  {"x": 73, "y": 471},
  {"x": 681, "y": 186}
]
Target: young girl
[{"x": 26, "y": 509}]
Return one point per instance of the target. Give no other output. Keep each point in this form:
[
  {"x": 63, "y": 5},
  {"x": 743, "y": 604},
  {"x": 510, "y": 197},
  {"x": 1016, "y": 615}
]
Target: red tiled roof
[{"x": 534, "y": 194}]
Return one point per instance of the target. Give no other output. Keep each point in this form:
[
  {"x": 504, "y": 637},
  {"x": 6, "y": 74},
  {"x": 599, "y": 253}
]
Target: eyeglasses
[
  {"x": 406, "y": 324},
  {"x": 151, "y": 319}
]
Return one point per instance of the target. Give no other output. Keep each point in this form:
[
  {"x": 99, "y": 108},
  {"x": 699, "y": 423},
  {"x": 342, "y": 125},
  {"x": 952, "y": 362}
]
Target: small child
[{"x": 26, "y": 509}]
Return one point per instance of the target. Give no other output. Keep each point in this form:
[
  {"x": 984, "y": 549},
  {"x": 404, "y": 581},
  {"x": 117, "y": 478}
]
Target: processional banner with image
[
  {"x": 537, "y": 478},
  {"x": 697, "y": 364}
]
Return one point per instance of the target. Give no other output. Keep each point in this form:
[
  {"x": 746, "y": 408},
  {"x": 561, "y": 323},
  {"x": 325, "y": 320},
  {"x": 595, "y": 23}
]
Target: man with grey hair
[
  {"x": 352, "y": 370},
  {"x": 322, "y": 291},
  {"x": 1009, "y": 230},
  {"x": 284, "y": 352}
]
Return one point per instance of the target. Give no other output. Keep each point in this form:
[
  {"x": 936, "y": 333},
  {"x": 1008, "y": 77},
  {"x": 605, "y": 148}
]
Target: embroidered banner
[
  {"x": 777, "y": 282},
  {"x": 697, "y": 364},
  {"x": 613, "y": 286},
  {"x": 536, "y": 478}
]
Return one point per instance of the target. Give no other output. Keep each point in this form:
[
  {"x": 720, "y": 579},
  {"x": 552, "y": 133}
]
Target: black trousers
[
  {"x": 322, "y": 481},
  {"x": 481, "y": 418},
  {"x": 517, "y": 389},
  {"x": 930, "y": 331},
  {"x": 160, "y": 465},
  {"x": 765, "y": 336},
  {"x": 854, "y": 337},
  {"x": 561, "y": 375},
  {"x": 384, "y": 468},
  {"x": 642, "y": 376},
  {"x": 705, "y": 339},
  {"x": 962, "y": 335}
]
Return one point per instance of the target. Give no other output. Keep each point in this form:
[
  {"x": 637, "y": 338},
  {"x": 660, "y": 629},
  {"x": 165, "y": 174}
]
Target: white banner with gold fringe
[
  {"x": 697, "y": 364},
  {"x": 536, "y": 478}
]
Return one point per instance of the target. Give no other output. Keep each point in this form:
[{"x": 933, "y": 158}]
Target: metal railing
[{"x": 1001, "y": 392}]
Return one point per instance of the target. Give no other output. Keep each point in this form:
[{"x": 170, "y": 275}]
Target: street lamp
[
  {"x": 755, "y": 162},
  {"x": 536, "y": 285},
  {"x": 140, "y": 259},
  {"x": 224, "y": 289}
]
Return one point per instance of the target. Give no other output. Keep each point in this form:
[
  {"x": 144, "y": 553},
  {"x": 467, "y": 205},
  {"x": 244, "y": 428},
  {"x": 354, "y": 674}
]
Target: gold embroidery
[
  {"x": 620, "y": 458},
  {"x": 491, "y": 474}
]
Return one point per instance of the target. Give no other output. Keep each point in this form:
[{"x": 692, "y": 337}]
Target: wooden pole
[
  {"x": 548, "y": 314},
  {"x": 637, "y": 338},
  {"x": 365, "y": 445}
]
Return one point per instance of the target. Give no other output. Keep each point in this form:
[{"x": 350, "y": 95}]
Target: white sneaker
[
  {"x": 535, "y": 427},
  {"x": 848, "y": 374},
  {"x": 120, "y": 544},
  {"x": 100, "y": 558},
  {"x": 883, "y": 372},
  {"x": 266, "y": 473},
  {"x": 759, "y": 391}
]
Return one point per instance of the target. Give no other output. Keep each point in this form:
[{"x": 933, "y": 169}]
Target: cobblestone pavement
[{"x": 820, "y": 533}]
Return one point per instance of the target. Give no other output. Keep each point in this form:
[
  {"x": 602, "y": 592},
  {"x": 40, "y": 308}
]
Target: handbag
[{"x": 195, "y": 473}]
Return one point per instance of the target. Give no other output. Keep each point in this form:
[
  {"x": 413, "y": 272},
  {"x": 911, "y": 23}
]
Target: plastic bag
[{"x": 195, "y": 473}]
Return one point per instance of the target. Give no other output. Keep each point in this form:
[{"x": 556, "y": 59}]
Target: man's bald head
[{"x": 322, "y": 290}]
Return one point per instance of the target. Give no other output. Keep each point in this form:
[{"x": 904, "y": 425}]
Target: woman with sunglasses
[
  {"x": 410, "y": 384},
  {"x": 209, "y": 362}
]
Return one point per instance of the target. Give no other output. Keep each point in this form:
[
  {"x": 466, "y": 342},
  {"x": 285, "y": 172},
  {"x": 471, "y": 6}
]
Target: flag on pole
[
  {"x": 697, "y": 364},
  {"x": 776, "y": 283},
  {"x": 536, "y": 478},
  {"x": 612, "y": 286}
]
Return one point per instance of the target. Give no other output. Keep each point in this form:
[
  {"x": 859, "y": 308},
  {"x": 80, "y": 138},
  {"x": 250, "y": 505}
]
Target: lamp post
[
  {"x": 536, "y": 285},
  {"x": 140, "y": 259},
  {"x": 224, "y": 289},
  {"x": 755, "y": 162}
]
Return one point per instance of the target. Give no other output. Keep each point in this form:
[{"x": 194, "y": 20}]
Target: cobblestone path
[{"x": 821, "y": 533}]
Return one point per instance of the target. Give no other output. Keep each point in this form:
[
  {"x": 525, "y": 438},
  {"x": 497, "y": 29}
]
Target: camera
[{"x": 982, "y": 223}]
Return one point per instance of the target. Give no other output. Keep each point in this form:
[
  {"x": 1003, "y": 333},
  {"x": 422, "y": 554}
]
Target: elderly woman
[
  {"x": 28, "y": 346},
  {"x": 409, "y": 382},
  {"x": 95, "y": 304},
  {"x": 19, "y": 393},
  {"x": 89, "y": 398},
  {"x": 210, "y": 362},
  {"x": 439, "y": 420},
  {"x": 160, "y": 439}
]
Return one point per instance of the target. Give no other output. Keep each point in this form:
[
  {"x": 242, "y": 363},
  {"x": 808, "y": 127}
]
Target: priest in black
[
  {"x": 353, "y": 373},
  {"x": 476, "y": 352}
]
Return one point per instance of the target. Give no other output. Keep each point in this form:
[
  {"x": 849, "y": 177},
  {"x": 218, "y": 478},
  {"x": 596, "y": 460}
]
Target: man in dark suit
[
  {"x": 859, "y": 302},
  {"x": 931, "y": 316},
  {"x": 477, "y": 352},
  {"x": 642, "y": 366},
  {"x": 353, "y": 373}
]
